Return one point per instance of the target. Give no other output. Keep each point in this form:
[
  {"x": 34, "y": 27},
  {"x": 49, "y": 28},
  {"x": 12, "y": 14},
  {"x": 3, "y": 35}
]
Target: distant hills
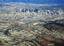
[{"x": 24, "y": 7}]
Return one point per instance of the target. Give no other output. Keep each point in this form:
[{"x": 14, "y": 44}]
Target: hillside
[{"x": 31, "y": 25}]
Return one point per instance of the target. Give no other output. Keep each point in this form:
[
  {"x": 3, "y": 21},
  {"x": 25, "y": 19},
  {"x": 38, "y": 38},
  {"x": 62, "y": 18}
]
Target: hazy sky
[{"x": 37, "y": 1}]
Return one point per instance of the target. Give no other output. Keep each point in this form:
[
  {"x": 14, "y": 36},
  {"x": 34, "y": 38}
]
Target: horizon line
[{"x": 44, "y": 4}]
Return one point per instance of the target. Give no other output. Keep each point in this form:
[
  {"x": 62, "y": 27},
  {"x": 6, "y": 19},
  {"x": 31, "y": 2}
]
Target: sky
[{"x": 36, "y": 1}]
